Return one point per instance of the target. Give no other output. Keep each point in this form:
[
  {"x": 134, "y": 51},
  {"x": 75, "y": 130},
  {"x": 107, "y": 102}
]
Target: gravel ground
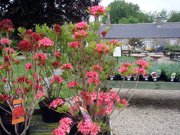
[{"x": 151, "y": 112}]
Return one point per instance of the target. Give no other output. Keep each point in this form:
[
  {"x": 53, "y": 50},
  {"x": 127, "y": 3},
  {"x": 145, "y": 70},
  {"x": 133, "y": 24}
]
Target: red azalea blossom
[
  {"x": 57, "y": 29},
  {"x": 6, "y": 25},
  {"x": 41, "y": 57},
  {"x": 97, "y": 10},
  {"x": 55, "y": 64},
  {"x": 92, "y": 74},
  {"x": 73, "y": 84},
  {"x": 67, "y": 66},
  {"x": 25, "y": 45},
  {"x": 9, "y": 50},
  {"x": 56, "y": 79},
  {"x": 18, "y": 111},
  {"x": 126, "y": 64},
  {"x": 4, "y": 97},
  {"x": 74, "y": 44}
]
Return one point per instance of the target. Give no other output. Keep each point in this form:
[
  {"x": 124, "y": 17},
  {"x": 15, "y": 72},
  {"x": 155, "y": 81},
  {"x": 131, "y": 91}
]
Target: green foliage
[
  {"x": 124, "y": 12},
  {"x": 63, "y": 108},
  {"x": 174, "y": 16}
]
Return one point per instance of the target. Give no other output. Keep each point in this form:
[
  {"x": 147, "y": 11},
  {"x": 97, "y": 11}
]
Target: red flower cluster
[
  {"x": 74, "y": 44},
  {"x": 67, "y": 66},
  {"x": 25, "y": 46},
  {"x": 45, "y": 42},
  {"x": 18, "y": 112},
  {"x": 103, "y": 33},
  {"x": 4, "y": 97},
  {"x": 55, "y": 64},
  {"x": 142, "y": 63},
  {"x": 41, "y": 57},
  {"x": 124, "y": 68},
  {"x": 56, "y": 79},
  {"x": 73, "y": 84},
  {"x": 96, "y": 68},
  {"x": 6, "y": 25},
  {"x": 57, "y": 29},
  {"x": 80, "y": 34}
]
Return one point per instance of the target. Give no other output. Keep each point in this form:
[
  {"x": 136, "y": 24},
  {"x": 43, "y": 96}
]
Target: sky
[{"x": 151, "y": 5}]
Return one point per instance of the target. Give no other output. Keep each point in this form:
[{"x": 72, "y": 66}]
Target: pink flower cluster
[
  {"x": 64, "y": 127},
  {"x": 102, "y": 48},
  {"x": 56, "y": 79},
  {"x": 114, "y": 42},
  {"x": 5, "y": 41},
  {"x": 142, "y": 63},
  {"x": 57, "y": 54},
  {"x": 81, "y": 26},
  {"x": 74, "y": 44},
  {"x": 41, "y": 57},
  {"x": 55, "y": 103},
  {"x": 45, "y": 42},
  {"x": 9, "y": 50},
  {"x": 97, "y": 10},
  {"x": 106, "y": 101},
  {"x": 67, "y": 66},
  {"x": 96, "y": 68},
  {"x": 88, "y": 128},
  {"x": 39, "y": 95},
  {"x": 93, "y": 77},
  {"x": 141, "y": 71},
  {"x": 28, "y": 66},
  {"x": 124, "y": 68},
  {"x": 57, "y": 29},
  {"x": 79, "y": 35},
  {"x": 73, "y": 84}
]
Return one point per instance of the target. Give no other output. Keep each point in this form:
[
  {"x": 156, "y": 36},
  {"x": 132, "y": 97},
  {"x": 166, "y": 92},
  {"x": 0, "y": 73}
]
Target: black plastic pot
[{"x": 49, "y": 115}]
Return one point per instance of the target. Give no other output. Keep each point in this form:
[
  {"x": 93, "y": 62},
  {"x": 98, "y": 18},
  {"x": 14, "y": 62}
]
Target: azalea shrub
[{"x": 57, "y": 59}]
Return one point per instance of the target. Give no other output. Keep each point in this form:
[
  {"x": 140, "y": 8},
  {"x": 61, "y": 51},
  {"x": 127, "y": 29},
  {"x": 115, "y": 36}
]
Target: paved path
[{"x": 151, "y": 112}]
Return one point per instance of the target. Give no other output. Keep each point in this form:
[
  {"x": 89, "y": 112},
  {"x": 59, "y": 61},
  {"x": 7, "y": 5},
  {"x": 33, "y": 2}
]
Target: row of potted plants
[{"x": 157, "y": 72}]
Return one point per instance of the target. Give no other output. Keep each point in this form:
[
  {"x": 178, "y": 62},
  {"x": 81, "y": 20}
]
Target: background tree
[
  {"x": 123, "y": 12},
  {"x": 174, "y": 16},
  {"x": 27, "y": 13}
]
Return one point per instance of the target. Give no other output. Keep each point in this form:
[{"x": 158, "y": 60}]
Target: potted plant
[
  {"x": 20, "y": 89},
  {"x": 90, "y": 62}
]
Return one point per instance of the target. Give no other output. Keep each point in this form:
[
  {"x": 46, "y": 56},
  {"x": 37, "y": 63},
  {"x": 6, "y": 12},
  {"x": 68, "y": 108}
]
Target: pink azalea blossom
[
  {"x": 56, "y": 79},
  {"x": 5, "y": 41},
  {"x": 126, "y": 64},
  {"x": 123, "y": 69},
  {"x": 45, "y": 42},
  {"x": 81, "y": 26},
  {"x": 57, "y": 54},
  {"x": 80, "y": 34},
  {"x": 66, "y": 121},
  {"x": 97, "y": 68},
  {"x": 97, "y": 10},
  {"x": 124, "y": 102},
  {"x": 87, "y": 127},
  {"x": 39, "y": 95},
  {"x": 74, "y": 44},
  {"x": 142, "y": 63},
  {"x": 92, "y": 74},
  {"x": 67, "y": 66},
  {"x": 93, "y": 81},
  {"x": 59, "y": 131},
  {"x": 28, "y": 66},
  {"x": 114, "y": 42},
  {"x": 55, "y": 103},
  {"x": 73, "y": 84},
  {"x": 40, "y": 56},
  {"x": 102, "y": 48},
  {"x": 9, "y": 50}
]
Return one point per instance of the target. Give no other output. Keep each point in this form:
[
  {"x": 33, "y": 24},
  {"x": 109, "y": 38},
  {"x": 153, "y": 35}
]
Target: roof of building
[{"x": 142, "y": 30}]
